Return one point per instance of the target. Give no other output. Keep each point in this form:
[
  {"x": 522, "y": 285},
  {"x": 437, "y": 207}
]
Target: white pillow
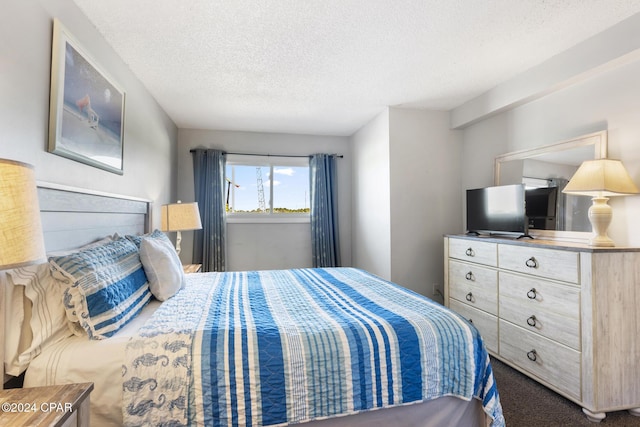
[
  {"x": 17, "y": 338},
  {"x": 162, "y": 267},
  {"x": 44, "y": 324}
]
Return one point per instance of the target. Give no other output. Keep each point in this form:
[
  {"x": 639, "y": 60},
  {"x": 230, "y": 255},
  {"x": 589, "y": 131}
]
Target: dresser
[{"x": 566, "y": 315}]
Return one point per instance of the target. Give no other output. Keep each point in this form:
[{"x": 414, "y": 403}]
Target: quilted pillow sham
[
  {"x": 155, "y": 234},
  {"x": 106, "y": 286}
]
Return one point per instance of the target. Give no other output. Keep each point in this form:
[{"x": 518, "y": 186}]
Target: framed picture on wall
[{"x": 86, "y": 114}]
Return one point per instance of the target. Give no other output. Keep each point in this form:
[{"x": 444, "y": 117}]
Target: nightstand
[
  {"x": 54, "y": 406},
  {"x": 192, "y": 268}
]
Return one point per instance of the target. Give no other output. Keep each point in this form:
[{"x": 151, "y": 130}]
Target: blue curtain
[
  {"x": 324, "y": 211},
  {"x": 209, "y": 243}
]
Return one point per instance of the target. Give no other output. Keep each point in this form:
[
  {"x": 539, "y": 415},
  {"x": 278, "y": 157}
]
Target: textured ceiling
[{"x": 329, "y": 66}]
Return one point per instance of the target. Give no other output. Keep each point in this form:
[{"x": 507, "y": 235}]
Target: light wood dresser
[{"x": 566, "y": 315}]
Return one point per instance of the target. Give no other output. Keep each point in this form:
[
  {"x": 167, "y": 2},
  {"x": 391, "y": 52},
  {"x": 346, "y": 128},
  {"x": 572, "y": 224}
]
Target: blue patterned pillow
[
  {"x": 155, "y": 234},
  {"x": 107, "y": 286}
]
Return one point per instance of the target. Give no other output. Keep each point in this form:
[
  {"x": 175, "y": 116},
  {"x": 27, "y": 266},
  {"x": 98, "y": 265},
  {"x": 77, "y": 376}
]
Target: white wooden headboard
[{"x": 72, "y": 217}]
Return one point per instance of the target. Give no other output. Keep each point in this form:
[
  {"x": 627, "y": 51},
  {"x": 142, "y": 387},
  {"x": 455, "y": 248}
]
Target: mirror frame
[{"x": 600, "y": 148}]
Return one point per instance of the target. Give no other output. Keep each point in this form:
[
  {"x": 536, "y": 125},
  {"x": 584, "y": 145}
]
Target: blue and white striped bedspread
[{"x": 280, "y": 347}]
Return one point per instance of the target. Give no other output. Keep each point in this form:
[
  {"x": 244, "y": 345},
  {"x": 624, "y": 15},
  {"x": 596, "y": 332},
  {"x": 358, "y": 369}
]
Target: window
[{"x": 267, "y": 186}]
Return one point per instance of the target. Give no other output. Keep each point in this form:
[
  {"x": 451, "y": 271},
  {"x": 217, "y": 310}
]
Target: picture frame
[{"x": 87, "y": 107}]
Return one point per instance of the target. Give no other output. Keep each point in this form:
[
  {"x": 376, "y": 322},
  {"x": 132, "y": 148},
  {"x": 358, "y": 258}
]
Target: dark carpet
[{"x": 525, "y": 403}]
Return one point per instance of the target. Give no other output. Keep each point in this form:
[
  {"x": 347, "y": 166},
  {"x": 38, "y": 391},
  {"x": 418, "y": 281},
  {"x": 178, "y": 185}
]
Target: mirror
[{"x": 552, "y": 213}]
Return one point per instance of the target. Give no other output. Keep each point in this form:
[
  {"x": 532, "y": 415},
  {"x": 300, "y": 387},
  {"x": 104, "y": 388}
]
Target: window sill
[{"x": 268, "y": 219}]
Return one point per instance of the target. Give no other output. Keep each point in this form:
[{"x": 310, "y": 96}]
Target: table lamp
[
  {"x": 21, "y": 240},
  {"x": 601, "y": 179},
  {"x": 180, "y": 217}
]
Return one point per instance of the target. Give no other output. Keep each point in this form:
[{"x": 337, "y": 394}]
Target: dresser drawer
[
  {"x": 550, "y": 263},
  {"x": 485, "y": 323},
  {"x": 552, "y": 362},
  {"x": 549, "y": 309},
  {"x": 474, "y": 251},
  {"x": 474, "y": 285}
]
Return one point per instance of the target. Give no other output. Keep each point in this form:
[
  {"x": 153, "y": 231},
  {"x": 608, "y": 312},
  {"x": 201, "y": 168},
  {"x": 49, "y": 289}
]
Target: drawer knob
[
  {"x": 532, "y": 294},
  {"x": 532, "y": 355},
  {"x": 531, "y": 321},
  {"x": 532, "y": 263},
  {"x": 470, "y": 252},
  {"x": 469, "y": 276},
  {"x": 469, "y": 297}
]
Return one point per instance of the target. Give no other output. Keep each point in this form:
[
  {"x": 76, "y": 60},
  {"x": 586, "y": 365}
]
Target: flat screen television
[{"x": 497, "y": 210}]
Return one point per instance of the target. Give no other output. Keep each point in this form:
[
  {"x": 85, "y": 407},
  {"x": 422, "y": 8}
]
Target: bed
[{"x": 324, "y": 347}]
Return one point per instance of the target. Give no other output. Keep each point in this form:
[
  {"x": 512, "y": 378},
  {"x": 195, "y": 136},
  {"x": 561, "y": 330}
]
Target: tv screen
[{"x": 499, "y": 209}]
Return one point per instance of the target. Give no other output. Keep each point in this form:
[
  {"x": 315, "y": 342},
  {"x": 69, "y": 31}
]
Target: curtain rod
[{"x": 340, "y": 156}]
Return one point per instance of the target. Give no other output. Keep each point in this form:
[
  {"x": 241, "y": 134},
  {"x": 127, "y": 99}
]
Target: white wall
[
  {"x": 267, "y": 246},
  {"x": 425, "y": 195},
  {"x": 609, "y": 100},
  {"x": 371, "y": 222},
  {"x": 150, "y": 137},
  {"x": 617, "y": 45},
  {"x": 406, "y": 187}
]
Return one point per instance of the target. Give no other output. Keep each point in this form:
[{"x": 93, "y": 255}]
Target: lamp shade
[
  {"x": 601, "y": 178},
  {"x": 21, "y": 240},
  {"x": 180, "y": 217}
]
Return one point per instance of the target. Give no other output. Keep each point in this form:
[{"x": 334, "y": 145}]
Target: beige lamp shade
[
  {"x": 603, "y": 177},
  {"x": 21, "y": 240},
  {"x": 180, "y": 217}
]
